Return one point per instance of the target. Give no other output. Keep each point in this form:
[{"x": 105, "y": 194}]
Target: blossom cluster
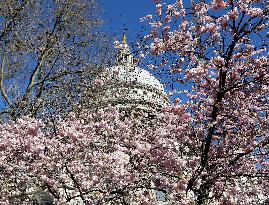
[
  {"x": 218, "y": 50},
  {"x": 109, "y": 157}
]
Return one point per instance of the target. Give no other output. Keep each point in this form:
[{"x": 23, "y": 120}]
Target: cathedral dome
[
  {"x": 137, "y": 75},
  {"x": 128, "y": 86}
]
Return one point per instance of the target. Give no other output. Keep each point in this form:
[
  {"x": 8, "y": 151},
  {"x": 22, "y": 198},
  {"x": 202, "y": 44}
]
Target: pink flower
[
  {"x": 164, "y": 62},
  {"x": 148, "y": 17},
  {"x": 159, "y": 9},
  {"x": 3, "y": 146},
  {"x": 186, "y": 116},
  {"x": 223, "y": 20},
  {"x": 142, "y": 55},
  {"x": 33, "y": 130},
  {"x": 218, "y": 61},
  {"x": 156, "y": 24},
  {"x": 179, "y": 3},
  {"x": 233, "y": 14},
  {"x": 98, "y": 82},
  {"x": 167, "y": 19},
  {"x": 157, "y": 1},
  {"x": 180, "y": 13},
  {"x": 120, "y": 157},
  {"x": 219, "y": 4},
  {"x": 147, "y": 37},
  {"x": 170, "y": 8},
  {"x": 254, "y": 11},
  {"x": 151, "y": 66},
  {"x": 183, "y": 26},
  {"x": 166, "y": 29}
]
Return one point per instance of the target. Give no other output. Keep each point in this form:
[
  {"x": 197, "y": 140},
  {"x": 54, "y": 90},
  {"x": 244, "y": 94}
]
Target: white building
[{"x": 128, "y": 86}]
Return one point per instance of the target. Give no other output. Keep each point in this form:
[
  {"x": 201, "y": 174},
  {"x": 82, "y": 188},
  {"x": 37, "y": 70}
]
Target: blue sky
[{"x": 120, "y": 12}]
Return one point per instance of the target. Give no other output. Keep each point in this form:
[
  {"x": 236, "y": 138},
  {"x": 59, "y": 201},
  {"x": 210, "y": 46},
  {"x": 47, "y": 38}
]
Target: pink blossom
[
  {"x": 219, "y": 4},
  {"x": 166, "y": 29},
  {"x": 154, "y": 33},
  {"x": 218, "y": 61},
  {"x": 142, "y": 55},
  {"x": 186, "y": 116},
  {"x": 183, "y": 26},
  {"x": 233, "y": 14},
  {"x": 210, "y": 144},
  {"x": 159, "y": 9},
  {"x": 164, "y": 62},
  {"x": 147, "y": 37},
  {"x": 167, "y": 19},
  {"x": 179, "y": 3},
  {"x": 254, "y": 11},
  {"x": 180, "y": 13},
  {"x": 223, "y": 62},
  {"x": 151, "y": 66},
  {"x": 156, "y": 24},
  {"x": 99, "y": 82},
  {"x": 157, "y": 1},
  {"x": 147, "y": 17}
]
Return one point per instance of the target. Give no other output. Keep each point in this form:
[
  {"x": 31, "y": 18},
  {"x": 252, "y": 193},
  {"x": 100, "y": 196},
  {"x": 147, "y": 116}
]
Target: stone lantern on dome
[{"x": 124, "y": 56}]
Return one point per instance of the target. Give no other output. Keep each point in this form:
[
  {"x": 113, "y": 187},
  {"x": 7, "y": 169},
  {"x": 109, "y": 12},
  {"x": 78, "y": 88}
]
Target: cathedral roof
[
  {"x": 128, "y": 86},
  {"x": 136, "y": 75}
]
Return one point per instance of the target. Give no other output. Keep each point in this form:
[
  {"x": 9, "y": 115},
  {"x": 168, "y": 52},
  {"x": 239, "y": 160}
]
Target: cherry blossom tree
[
  {"x": 209, "y": 147},
  {"x": 112, "y": 157},
  {"x": 216, "y": 53},
  {"x": 104, "y": 157}
]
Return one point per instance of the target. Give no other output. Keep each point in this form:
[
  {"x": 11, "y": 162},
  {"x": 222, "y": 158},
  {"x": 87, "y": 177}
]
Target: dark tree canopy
[{"x": 47, "y": 47}]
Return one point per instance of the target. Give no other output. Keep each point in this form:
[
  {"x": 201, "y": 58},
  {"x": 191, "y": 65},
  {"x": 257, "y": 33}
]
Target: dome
[
  {"x": 136, "y": 75},
  {"x": 128, "y": 86}
]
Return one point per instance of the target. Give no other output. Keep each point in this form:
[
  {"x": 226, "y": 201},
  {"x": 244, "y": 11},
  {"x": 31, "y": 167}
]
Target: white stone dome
[
  {"x": 135, "y": 75},
  {"x": 128, "y": 86}
]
